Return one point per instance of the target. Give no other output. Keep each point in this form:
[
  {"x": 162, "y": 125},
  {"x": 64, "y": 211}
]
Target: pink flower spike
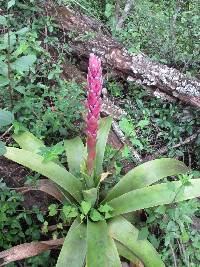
[
  {"x": 93, "y": 104},
  {"x": 94, "y": 66}
]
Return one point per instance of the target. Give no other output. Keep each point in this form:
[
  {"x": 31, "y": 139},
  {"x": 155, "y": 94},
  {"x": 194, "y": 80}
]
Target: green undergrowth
[
  {"x": 175, "y": 234},
  {"x": 35, "y": 91},
  {"x": 152, "y": 124},
  {"x": 31, "y": 81},
  {"x": 19, "y": 225},
  {"x": 167, "y": 31}
]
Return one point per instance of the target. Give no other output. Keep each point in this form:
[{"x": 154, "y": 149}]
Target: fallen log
[
  {"x": 85, "y": 35},
  {"x": 28, "y": 250}
]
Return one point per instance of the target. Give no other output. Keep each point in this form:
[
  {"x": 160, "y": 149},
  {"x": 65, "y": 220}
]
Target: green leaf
[
  {"x": 171, "y": 186},
  {"x": 69, "y": 211},
  {"x": 136, "y": 142},
  {"x": 40, "y": 217},
  {"x": 18, "y": 128},
  {"x": 23, "y": 63},
  {"x": 85, "y": 207},
  {"x": 11, "y": 3},
  {"x": 4, "y": 81},
  {"x": 90, "y": 195},
  {"x": 20, "y": 89},
  {"x": 102, "y": 137},
  {"x": 126, "y": 253},
  {"x": 97, "y": 236},
  {"x": 52, "y": 210},
  {"x": 96, "y": 216},
  {"x": 143, "y": 233},
  {"x": 2, "y": 148},
  {"x": 127, "y": 127},
  {"x": 126, "y": 151},
  {"x": 51, "y": 153},
  {"x": 76, "y": 154},
  {"x": 22, "y": 48},
  {"x": 6, "y": 118},
  {"x": 101, "y": 250},
  {"x": 154, "y": 195},
  {"x": 185, "y": 237},
  {"x": 108, "y": 10},
  {"x": 154, "y": 241},
  {"x": 3, "y": 21},
  {"x": 73, "y": 213},
  {"x": 185, "y": 178},
  {"x": 161, "y": 210},
  {"x": 10, "y": 40},
  {"x": 3, "y": 68},
  {"x": 125, "y": 233},
  {"x": 66, "y": 210},
  {"x": 105, "y": 208},
  {"x": 143, "y": 123},
  {"x": 147, "y": 174},
  {"x": 22, "y": 31},
  {"x": 73, "y": 251},
  {"x": 45, "y": 227},
  {"x": 28, "y": 141},
  {"x": 113, "y": 259},
  {"x": 50, "y": 169}
]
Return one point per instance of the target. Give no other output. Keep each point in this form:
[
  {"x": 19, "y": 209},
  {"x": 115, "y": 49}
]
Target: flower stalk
[{"x": 93, "y": 104}]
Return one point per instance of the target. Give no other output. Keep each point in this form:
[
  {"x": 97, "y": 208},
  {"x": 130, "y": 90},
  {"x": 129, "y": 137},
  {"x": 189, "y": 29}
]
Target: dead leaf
[
  {"x": 104, "y": 175},
  {"x": 28, "y": 250},
  {"x": 137, "y": 263},
  {"x": 44, "y": 185}
]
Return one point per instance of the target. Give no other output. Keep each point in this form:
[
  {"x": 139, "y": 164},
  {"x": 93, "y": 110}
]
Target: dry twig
[
  {"x": 6, "y": 132},
  {"x": 173, "y": 254},
  {"x": 164, "y": 149}
]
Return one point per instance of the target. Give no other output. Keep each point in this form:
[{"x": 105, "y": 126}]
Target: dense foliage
[{"x": 36, "y": 96}]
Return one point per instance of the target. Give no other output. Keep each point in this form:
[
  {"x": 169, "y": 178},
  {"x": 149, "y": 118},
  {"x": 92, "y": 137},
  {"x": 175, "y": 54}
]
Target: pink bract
[{"x": 93, "y": 104}]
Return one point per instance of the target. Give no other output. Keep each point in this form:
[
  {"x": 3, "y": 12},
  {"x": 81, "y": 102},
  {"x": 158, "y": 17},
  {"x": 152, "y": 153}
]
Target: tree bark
[{"x": 86, "y": 35}]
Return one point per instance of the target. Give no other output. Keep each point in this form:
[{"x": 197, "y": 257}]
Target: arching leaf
[
  {"x": 124, "y": 232},
  {"x": 53, "y": 171},
  {"x": 147, "y": 174},
  {"x": 6, "y": 117},
  {"x": 126, "y": 252},
  {"x": 155, "y": 195},
  {"x": 73, "y": 251},
  {"x": 101, "y": 250},
  {"x": 76, "y": 153},
  {"x": 28, "y": 141},
  {"x": 102, "y": 137}
]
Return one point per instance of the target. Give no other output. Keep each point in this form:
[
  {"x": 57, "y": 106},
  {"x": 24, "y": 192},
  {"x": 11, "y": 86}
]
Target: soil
[{"x": 14, "y": 175}]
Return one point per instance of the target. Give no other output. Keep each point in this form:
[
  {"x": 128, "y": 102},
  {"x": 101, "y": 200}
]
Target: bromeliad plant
[{"x": 100, "y": 232}]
